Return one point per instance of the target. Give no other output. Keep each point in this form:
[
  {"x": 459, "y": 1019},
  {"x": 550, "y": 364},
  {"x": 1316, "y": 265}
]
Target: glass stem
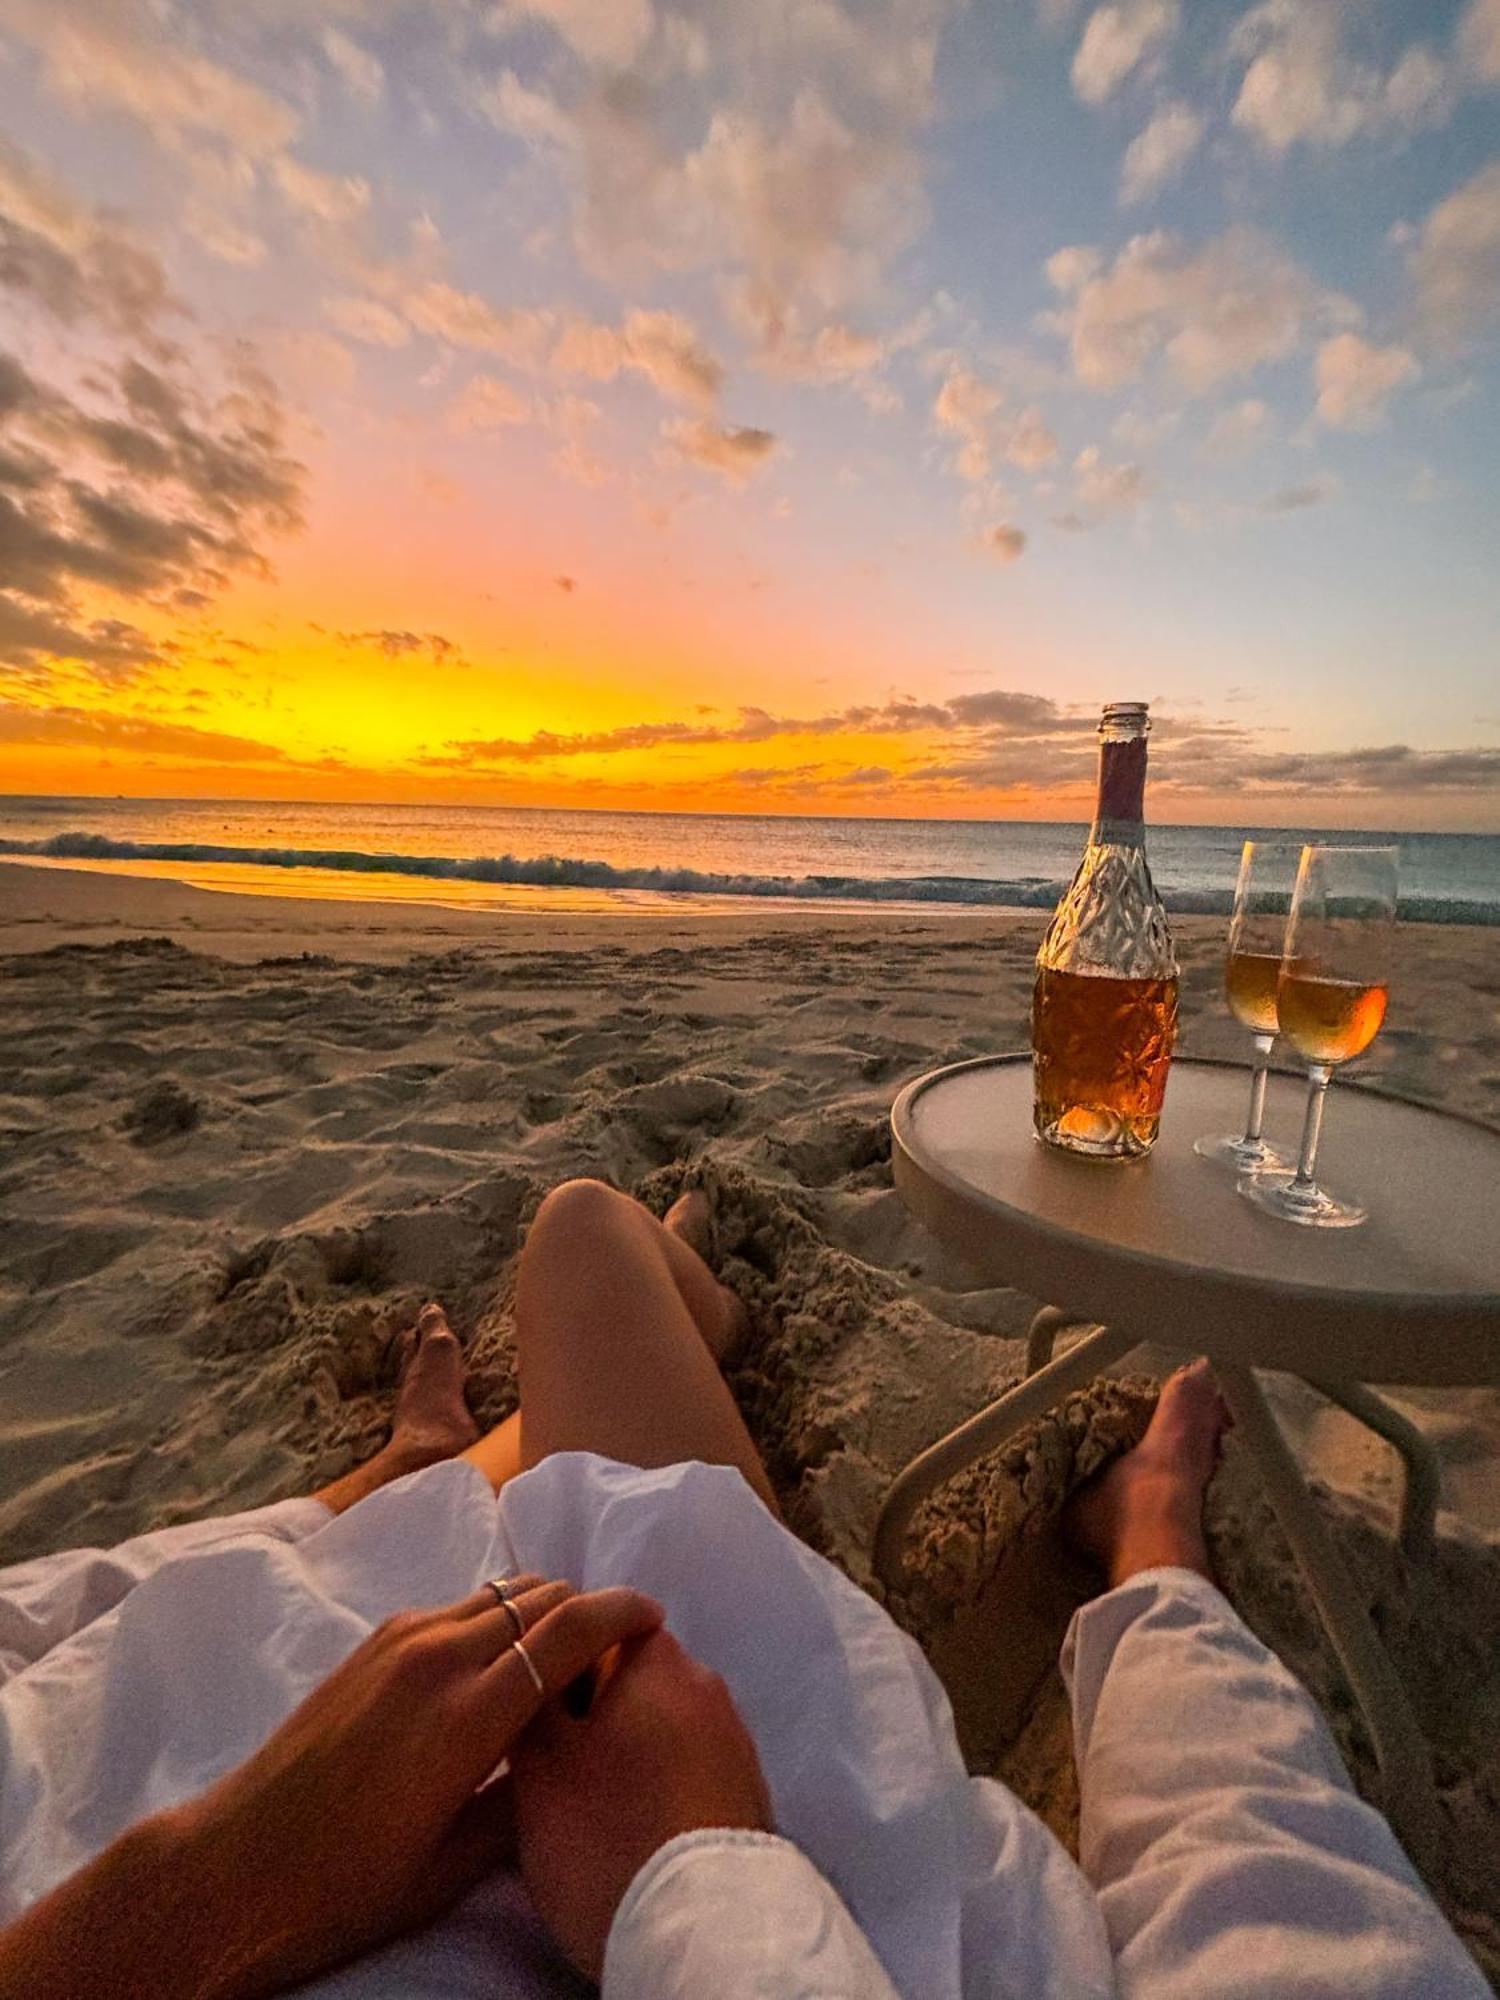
[
  {"x": 1318, "y": 1078},
  {"x": 1258, "y": 1070}
]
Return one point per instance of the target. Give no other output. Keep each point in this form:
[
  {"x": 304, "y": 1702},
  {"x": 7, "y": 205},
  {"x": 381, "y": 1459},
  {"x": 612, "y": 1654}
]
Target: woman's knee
[{"x": 581, "y": 1207}]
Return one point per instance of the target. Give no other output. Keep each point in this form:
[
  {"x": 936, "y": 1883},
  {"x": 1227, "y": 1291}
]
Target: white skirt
[{"x": 137, "y": 1677}]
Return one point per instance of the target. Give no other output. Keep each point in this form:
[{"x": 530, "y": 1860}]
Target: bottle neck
[{"x": 1120, "y": 815}]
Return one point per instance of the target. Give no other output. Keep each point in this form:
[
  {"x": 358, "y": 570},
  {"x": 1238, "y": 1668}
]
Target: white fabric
[
  {"x": 1230, "y": 1853},
  {"x": 1230, "y": 1856},
  {"x": 777, "y": 1929},
  {"x": 959, "y": 1889}
]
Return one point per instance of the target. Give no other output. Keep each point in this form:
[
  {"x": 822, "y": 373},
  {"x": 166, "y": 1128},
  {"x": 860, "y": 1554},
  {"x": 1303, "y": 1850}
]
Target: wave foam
[{"x": 552, "y": 871}]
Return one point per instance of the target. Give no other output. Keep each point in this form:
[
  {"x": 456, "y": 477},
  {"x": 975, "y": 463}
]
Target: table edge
[{"x": 1366, "y": 1304}]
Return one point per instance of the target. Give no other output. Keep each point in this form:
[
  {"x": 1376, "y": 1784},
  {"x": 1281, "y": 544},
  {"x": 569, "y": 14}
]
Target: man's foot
[
  {"x": 690, "y": 1220},
  {"x": 431, "y": 1420},
  {"x": 1145, "y": 1511}
]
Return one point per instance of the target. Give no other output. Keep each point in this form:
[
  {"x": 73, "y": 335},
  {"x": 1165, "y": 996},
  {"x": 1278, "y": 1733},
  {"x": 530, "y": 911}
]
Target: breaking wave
[{"x": 552, "y": 871}]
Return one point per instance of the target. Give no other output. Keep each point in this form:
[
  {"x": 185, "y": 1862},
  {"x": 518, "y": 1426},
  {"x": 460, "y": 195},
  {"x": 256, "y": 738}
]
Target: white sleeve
[{"x": 739, "y": 1916}]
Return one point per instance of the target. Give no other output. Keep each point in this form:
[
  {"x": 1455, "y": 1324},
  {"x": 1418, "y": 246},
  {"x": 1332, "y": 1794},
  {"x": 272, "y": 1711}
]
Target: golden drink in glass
[
  {"x": 1331, "y": 998},
  {"x": 1252, "y": 969}
]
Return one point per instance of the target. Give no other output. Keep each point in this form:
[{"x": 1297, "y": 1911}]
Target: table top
[{"x": 1166, "y": 1248}]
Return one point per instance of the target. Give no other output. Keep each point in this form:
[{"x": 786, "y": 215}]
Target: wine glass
[
  {"x": 1262, "y": 897},
  {"x": 1331, "y": 999}
]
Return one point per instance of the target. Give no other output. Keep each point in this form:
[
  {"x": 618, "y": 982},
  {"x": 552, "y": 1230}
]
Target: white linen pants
[{"x": 1230, "y": 1854}]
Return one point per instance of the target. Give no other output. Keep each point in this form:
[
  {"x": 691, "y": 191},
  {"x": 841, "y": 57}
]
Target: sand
[{"x": 245, "y": 1137}]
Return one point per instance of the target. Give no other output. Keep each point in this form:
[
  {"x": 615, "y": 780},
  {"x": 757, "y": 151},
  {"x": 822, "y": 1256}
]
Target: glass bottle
[{"x": 1104, "y": 1011}]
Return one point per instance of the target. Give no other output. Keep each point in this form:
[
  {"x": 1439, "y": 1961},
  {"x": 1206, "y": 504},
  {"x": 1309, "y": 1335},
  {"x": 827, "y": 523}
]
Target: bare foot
[
  {"x": 431, "y": 1421},
  {"x": 1145, "y": 1511},
  {"x": 690, "y": 1220}
]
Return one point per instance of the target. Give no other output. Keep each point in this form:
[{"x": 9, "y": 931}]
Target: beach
[{"x": 247, "y": 1136}]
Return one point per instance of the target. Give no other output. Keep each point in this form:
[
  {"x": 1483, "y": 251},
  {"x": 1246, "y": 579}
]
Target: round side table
[{"x": 1164, "y": 1250}]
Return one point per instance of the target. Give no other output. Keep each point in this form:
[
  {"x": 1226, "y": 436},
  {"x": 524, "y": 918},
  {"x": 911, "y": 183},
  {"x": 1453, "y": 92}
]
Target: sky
[{"x": 809, "y": 406}]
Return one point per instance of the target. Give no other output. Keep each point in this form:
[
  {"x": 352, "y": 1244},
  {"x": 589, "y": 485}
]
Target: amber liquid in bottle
[{"x": 1104, "y": 1011}]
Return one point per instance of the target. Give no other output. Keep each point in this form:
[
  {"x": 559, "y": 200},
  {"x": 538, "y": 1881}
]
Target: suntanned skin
[{"x": 1145, "y": 1511}]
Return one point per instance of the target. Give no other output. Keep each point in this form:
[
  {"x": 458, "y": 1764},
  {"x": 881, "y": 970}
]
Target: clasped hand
[{"x": 375, "y": 1806}]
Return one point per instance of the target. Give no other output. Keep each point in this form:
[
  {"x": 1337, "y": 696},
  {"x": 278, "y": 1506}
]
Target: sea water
[{"x": 442, "y": 853}]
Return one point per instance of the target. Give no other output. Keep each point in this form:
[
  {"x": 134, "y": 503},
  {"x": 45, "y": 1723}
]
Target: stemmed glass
[
  {"x": 1331, "y": 999},
  {"x": 1262, "y": 897}
]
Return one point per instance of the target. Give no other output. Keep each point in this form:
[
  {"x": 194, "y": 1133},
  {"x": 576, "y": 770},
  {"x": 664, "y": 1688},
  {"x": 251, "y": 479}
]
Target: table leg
[
  {"x": 1042, "y": 1335},
  {"x": 1030, "y": 1399},
  {"x": 1401, "y": 1751},
  {"x": 1424, "y": 1480}
]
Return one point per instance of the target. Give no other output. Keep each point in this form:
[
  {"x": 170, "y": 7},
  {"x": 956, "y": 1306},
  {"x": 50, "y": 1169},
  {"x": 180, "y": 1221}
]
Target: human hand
[
  {"x": 361, "y": 1818},
  {"x": 661, "y": 1752}
]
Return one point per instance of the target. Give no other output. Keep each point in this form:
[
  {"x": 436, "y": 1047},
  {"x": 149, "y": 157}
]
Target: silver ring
[
  {"x": 501, "y": 1585},
  {"x": 530, "y": 1665},
  {"x": 516, "y": 1616}
]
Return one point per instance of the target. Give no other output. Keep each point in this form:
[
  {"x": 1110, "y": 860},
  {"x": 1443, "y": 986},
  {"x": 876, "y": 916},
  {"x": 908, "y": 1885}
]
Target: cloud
[
  {"x": 331, "y": 198},
  {"x": 970, "y": 410},
  {"x": 1356, "y": 380},
  {"x": 663, "y": 347},
  {"x": 783, "y": 156},
  {"x": 98, "y": 729},
  {"x": 464, "y": 319},
  {"x": 1294, "y": 499},
  {"x": 734, "y": 451},
  {"x": 989, "y": 713},
  {"x": 1069, "y": 269},
  {"x": 397, "y": 645},
  {"x": 1302, "y": 86},
  {"x": 1479, "y": 39},
  {"x": 72, "y": 262},
  {"x": 1238, "y": 431},
  {"x": 1105, "y": 489},
  {"x": 1455, "y": 261},
  {"x": 362, "y": 73},
  {"x": 485, "y": 403},
  {"x": 1003, "y": 542},
  {"x": 1160, "y": 152},
  {"x": 1390, "y": 768},
  {"x": 369, "y": 321},
  {"x": 1224, "y": 310},
  {"x": 1115, "y": 39},
  {"x": 610, "y": 33},
  {"x": 128, "y": 57},
  {"x": 154, "y": 481}
]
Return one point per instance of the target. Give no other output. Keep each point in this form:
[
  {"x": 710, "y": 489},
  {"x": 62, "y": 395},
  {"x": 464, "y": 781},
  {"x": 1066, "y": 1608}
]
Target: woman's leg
[
  {"x": 1229, "y": 1852},
  {"x": 621, "y": 1328}
]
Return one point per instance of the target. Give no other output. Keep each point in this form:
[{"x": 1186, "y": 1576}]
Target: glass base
[
  {"x": 1280, "y": 1195},
  {"x": 1243, "y": 1156}
]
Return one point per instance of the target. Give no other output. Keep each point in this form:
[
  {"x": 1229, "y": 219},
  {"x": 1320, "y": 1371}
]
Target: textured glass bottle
[{"x": 1104, "y": 1013}]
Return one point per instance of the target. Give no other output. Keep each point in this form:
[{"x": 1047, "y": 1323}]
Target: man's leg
[
  {"x": 1229, "y": 1852},
  {"x": 621, "y": 1328},
  {"x": 431, "y": 1421}
]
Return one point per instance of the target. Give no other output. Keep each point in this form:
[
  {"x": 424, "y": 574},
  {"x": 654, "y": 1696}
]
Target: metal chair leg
[
  {"x": 1001, "y": 1419},
  {"x": 1042, "y": 1336},
  {"x": 1424, "y": 1479},
  {"x": 1401, "y": 1751}
]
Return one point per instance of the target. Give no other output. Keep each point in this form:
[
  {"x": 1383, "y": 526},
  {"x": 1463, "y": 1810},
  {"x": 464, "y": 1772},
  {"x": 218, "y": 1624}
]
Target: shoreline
[{"x": 44, "y": 903}]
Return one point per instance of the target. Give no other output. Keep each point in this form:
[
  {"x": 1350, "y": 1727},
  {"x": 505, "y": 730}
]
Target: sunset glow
[{"x": 811, "y": 408}]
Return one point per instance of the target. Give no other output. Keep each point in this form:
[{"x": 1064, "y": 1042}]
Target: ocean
[{"x": 528, "y": 855}]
